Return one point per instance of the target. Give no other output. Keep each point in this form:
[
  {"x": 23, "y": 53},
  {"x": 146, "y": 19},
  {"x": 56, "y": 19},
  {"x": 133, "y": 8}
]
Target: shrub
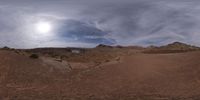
[
  {"x": 34, "y": 56},
  {"x": 6, "y": 48}
]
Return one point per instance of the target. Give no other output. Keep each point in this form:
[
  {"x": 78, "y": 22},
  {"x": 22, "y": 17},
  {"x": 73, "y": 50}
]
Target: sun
[{"x": 43, "y": 27}]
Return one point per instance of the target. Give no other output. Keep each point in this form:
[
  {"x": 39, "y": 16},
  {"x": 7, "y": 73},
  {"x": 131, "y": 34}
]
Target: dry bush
[{"x": 34, "y": 56}]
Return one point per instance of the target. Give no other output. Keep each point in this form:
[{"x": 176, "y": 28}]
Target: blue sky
[{"x": 87, "y": 23}]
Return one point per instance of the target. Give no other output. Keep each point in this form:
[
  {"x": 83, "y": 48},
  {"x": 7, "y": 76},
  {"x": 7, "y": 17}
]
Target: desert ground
[{"x": 170, "y": 72}]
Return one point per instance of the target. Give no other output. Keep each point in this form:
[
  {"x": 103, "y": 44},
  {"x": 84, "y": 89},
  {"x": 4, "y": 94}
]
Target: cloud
[
  {"x": 127, "y": 22},
  {"x": 73, "y": 31}
]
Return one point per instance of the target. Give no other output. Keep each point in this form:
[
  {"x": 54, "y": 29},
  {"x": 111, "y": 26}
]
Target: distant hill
[
  {"x": 103, "y": 46},
  {"x": 175, "y": 47},
  {"x": 120, "y": 47},
  {"x": 179, "y": 46}
]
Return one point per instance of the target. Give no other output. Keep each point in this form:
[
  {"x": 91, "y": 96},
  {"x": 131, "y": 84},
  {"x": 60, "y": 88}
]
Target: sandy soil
[{"x": 136, "y": 76}]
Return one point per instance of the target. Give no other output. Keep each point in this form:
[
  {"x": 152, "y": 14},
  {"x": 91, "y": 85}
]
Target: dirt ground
[{"x": 127, "y": 76}]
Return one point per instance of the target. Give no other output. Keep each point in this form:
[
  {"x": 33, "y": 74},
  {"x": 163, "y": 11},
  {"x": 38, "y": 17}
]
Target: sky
[{"x": 87, "y": 23}]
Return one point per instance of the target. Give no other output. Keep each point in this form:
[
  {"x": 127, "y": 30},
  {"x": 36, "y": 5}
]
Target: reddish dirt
[{"x": 136, "y": 76}]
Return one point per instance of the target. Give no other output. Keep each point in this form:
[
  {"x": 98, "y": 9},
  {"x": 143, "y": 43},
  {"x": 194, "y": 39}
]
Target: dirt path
[{"x": 165, "y": 75}]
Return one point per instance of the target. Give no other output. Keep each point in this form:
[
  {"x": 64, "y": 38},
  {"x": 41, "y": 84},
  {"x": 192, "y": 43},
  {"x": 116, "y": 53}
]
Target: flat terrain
[{"x": 109, "y": 74}]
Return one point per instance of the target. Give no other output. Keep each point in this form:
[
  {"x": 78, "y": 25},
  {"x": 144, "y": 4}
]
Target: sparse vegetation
[{"x": 34, "y": 56}]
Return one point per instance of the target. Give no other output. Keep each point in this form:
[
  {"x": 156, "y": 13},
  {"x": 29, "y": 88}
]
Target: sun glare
[{"x": 43, "y": 27}]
